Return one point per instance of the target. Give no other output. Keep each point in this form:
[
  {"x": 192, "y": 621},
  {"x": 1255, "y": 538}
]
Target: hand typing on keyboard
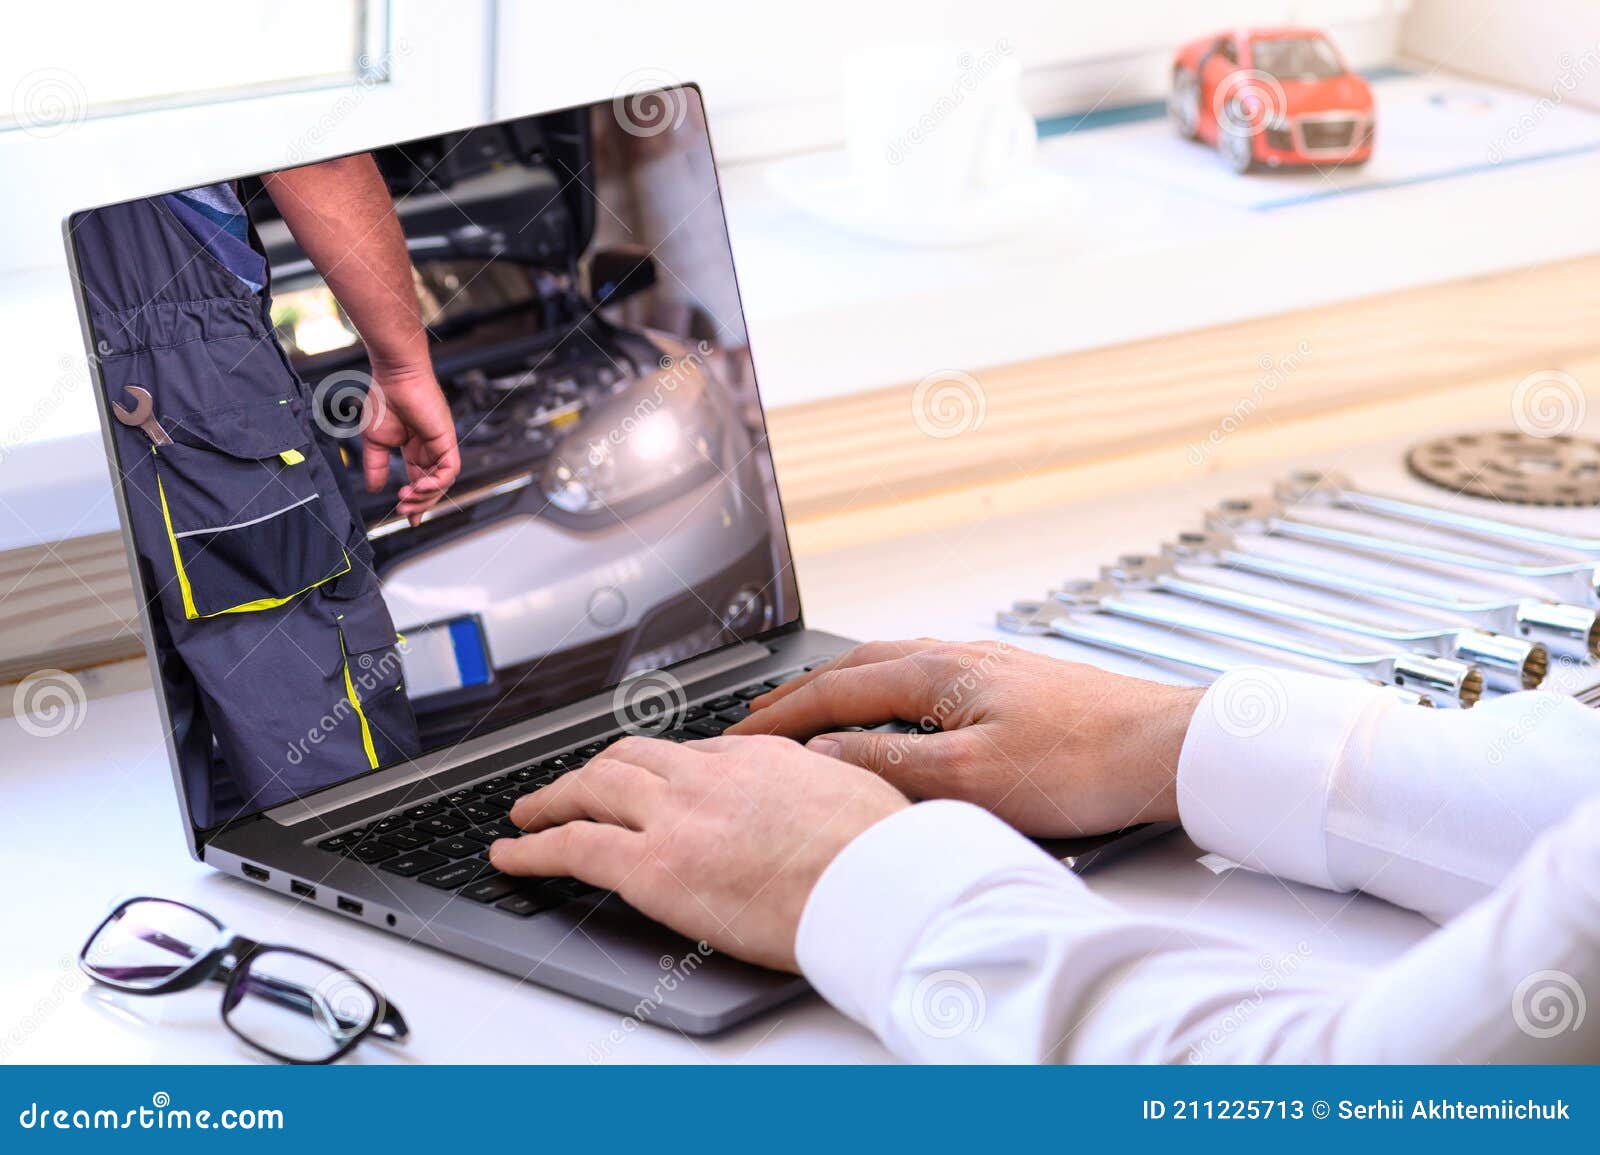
[
  {"x": 1056, "y": 749},
  {"x": 721, "y": 839}
]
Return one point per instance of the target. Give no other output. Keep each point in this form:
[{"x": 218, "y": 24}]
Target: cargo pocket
[
  {"x": 247, "y": 524},
  {"x": 374, "y": 683}
]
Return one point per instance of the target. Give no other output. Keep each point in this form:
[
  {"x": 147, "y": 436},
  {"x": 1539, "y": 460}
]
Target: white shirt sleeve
[
  {"x": 955, "y": 939},
  {"x": 1337, "y": 784}
]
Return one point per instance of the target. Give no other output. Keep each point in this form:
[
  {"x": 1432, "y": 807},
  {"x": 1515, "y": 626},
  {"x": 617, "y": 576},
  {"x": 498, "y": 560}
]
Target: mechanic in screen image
[
  {"x": 266, "y": 612},
  {"x": 612, "y": 514}
]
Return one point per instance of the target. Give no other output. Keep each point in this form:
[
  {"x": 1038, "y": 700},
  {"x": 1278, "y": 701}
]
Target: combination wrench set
[{"x": 1440, "y": 606}]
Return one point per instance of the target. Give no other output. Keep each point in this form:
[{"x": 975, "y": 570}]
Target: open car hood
[{"x": 426, "y": 174}]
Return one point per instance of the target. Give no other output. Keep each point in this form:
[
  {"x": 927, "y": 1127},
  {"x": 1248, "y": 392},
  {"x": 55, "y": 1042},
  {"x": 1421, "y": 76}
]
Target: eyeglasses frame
[{"x": 227, "y": 961}]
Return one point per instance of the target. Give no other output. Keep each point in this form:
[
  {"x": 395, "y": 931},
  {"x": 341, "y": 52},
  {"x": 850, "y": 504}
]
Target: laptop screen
[{"x": 276, "y": 434}]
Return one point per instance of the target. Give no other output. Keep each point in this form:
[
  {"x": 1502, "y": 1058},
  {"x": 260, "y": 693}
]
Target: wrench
[
  {"x": 1317, "y": 488},
  {"x": 1264, "y": 515},
  {"x": 1450, "y": 682},
  {"x": 142, "y": 415},
  {"x": 1564, "y": 629},
  {"x": 1507, "y": 663},
  {"x": 1038, "y": 618}
]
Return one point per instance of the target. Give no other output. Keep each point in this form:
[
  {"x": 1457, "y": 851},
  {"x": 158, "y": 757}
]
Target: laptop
[{"x": 612, "y": 559}]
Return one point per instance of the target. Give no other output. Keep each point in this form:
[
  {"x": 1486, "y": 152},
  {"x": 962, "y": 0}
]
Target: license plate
[{"x": 445, "y": 656}]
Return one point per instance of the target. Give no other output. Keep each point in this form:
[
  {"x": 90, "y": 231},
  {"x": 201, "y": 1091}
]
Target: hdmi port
[
  {"x": 349, "y": 905},
  {"x": 251, "y": 870}
]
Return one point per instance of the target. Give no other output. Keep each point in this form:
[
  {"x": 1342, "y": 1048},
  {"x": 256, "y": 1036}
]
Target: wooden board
[{"x": 843, "y": 455}]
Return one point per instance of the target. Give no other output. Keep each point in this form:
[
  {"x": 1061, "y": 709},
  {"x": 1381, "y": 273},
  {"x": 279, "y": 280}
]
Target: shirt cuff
[
  {"x": 1258, "y": 763},
  {"x": 876, "y": 898}
]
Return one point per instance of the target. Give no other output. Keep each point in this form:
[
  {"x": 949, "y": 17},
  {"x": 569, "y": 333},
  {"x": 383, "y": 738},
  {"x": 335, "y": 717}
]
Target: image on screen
[{"x": 615, "y": 510}]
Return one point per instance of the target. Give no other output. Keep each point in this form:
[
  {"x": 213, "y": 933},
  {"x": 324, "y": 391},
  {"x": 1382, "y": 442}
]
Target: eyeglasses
[{"x": 294, "y": 1006}]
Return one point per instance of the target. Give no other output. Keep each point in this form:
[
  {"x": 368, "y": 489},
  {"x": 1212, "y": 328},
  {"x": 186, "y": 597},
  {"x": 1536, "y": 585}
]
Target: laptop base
[{"x": 594, "y": 946}]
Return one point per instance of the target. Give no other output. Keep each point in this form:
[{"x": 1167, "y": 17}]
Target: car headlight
[{"x": 660, "y": 430}]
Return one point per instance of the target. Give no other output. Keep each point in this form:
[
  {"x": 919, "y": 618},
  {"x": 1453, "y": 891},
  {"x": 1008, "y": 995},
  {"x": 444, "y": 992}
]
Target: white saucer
[{"x": 822, "y": 185}]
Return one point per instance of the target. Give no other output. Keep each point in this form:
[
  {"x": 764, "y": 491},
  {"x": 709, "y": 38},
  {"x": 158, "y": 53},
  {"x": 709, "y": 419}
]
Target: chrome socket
[
  {"x": 1439, "y": 678},
  {"x": 1566, "y": 629}
]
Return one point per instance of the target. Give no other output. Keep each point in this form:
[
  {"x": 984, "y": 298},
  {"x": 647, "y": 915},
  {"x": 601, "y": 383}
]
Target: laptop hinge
[{"x": 590, "y": 709}]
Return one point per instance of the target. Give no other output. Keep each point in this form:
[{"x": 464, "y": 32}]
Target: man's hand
[
  {"x": 408, "y": 412},
  {"x": 342, "y": 215},
  {"x": 1054, "y": 748},
  {"x": 721, "y": 840}
]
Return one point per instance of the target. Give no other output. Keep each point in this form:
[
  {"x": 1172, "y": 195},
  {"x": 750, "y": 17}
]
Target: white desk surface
[{"x": 90, "y": 815}]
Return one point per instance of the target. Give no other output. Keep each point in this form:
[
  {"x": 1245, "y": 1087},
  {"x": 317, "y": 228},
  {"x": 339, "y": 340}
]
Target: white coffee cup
[{"x": 934, "y": 127}]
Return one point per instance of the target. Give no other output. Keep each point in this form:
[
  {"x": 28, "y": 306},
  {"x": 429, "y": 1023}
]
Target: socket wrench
[
  {"x": 1314, "y": 487},
  {"x": 1050, "y": 617},
  {"x": 1578, "y": 580},
  {"x": 1507, "y": 663},
  {"x": 1563, "y": 629},
  {"x": 1447, "y": 681}
]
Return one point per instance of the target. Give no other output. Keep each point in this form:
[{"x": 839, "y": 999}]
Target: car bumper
[
  {"x": 1318, "y": 139},
  {"x": 547, "y": 591}
]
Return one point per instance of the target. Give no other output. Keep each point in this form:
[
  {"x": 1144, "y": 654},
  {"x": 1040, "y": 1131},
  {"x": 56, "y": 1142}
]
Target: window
[
  {"x": 174, "y": 93},
  {"x": 1298, "y": 58},
  {"x": 169, "y": 94},
  {"x": 57, "y": 76}
]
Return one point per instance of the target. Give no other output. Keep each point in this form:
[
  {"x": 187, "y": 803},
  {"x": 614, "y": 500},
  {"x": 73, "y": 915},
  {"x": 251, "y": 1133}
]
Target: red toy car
[{"x": 1269, "y": 97}]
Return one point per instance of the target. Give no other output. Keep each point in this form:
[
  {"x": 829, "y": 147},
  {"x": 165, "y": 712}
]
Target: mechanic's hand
[
  {"x": 409, "y": 413},
  {"x": 1054, "y": 748},
  {"x": 722, "y": 840}
]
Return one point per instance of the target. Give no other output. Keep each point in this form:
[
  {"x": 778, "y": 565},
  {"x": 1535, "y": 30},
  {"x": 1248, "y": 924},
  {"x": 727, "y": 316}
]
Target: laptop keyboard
[{"x": 444, "y": 842}]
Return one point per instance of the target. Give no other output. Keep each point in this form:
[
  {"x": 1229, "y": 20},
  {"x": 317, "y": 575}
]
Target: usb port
[
  {"x": 303, "y": 889},
  {"x": 251, "y": 870},
  {"x": 349, "y": 905}
]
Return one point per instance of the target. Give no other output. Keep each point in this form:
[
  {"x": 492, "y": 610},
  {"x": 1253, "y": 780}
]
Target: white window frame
[{"x": 432, "y": 77}]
